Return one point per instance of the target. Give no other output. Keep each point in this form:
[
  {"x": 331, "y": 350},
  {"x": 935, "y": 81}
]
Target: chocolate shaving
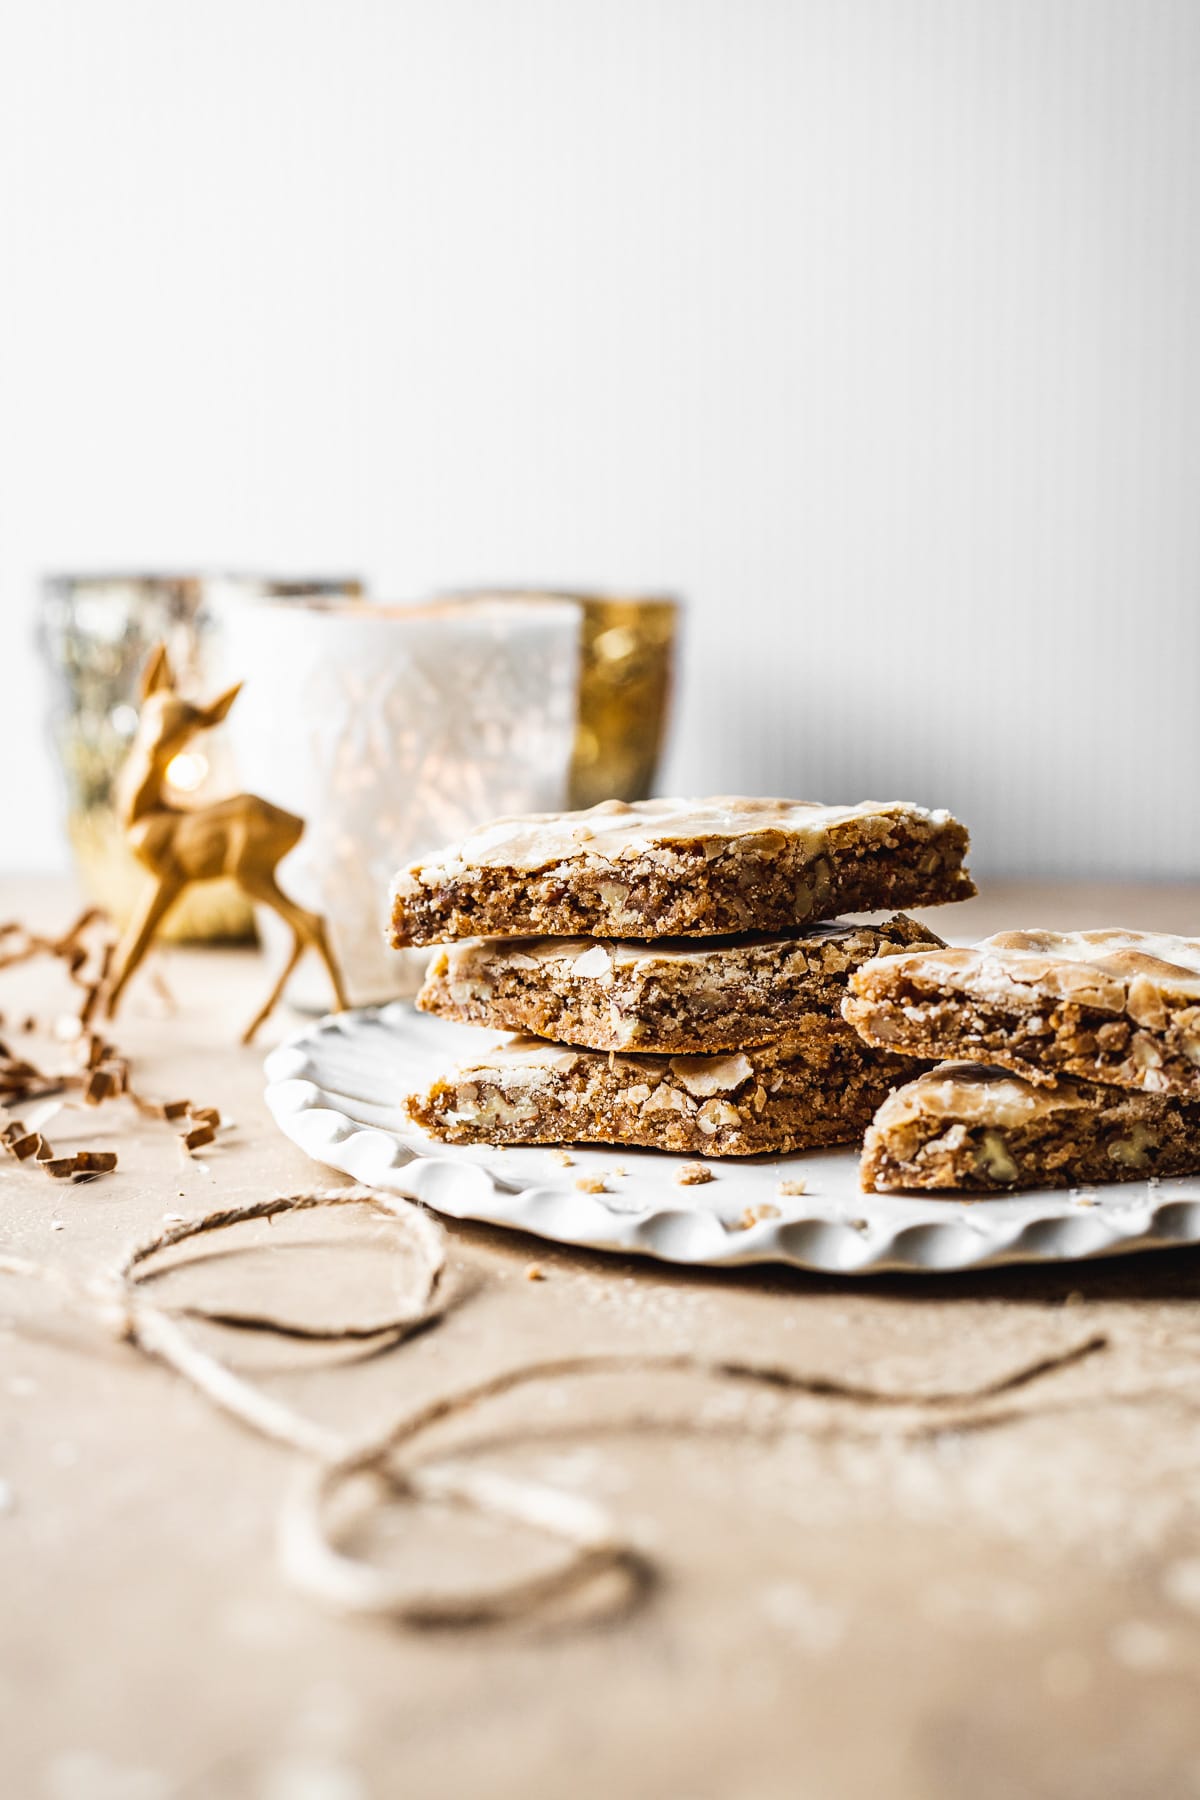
[
  {"x": 86, "y": 948},
  {"x": 94, "y": 1162},
  {"x": 23, "y": 1144},
  {"x": 16, "y": 1071},
  {"x": 100, "y": 1085},
  {"x": 83, "y": 1165},
  {"x": 202, "y": 1122},
  {"x": 94, "y": 985},
  {"x": 97, "y": 1071},
  {"x": 21, "y": 1082},
  {"x": 100, "y": 1072}
]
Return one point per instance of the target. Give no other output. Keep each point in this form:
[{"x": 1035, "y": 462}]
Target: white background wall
[{"x": 873, "y": 326}]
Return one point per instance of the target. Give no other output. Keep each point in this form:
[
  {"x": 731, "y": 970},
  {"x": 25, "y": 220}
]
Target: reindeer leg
[
  {"x": 321, "y": 944},
  {"x": 264, "y": 1012},
  {"x": 139, "y": 934},
  {"x": 309, "y": 931}
]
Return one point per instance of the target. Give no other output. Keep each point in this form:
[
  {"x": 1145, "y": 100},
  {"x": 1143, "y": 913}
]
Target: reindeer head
[{"x": 165, "y": 724}]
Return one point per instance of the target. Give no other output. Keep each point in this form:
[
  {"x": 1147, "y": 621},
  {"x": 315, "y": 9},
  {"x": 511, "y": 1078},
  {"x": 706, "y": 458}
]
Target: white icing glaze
[
  {"x": 521, "y": 1060},
  {"x": 597, "y": 958},
  {"x": 616, "y": 830},
  {"x": 1114, "y": 970},
  {"x": 976, "y": 1095},
  {"x": 1159, "y": 955},
  {"x": 521, "y": 1052}
]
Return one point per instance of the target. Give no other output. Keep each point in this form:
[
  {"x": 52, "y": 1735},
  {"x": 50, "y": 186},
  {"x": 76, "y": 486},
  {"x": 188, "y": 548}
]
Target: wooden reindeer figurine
[{"x": 243, "y": 836}]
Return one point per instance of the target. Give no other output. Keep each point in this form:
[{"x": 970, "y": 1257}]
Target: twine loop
[{"x": 310, "y": 1536}]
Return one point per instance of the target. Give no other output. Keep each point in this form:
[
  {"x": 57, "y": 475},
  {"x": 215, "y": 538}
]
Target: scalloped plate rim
[{"x": 474, "y": 1191}]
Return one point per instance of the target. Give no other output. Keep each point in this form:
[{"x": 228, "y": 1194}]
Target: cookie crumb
[
  {"x": 693, "y": 1174},
  {"x": 754, "y": 1215},
  {"x": 562, "y": 1159},
  {"x": 788, "y": 1190},
  {"x": 535, "y": 1272},
  {"x": 591, "y": 1184}
]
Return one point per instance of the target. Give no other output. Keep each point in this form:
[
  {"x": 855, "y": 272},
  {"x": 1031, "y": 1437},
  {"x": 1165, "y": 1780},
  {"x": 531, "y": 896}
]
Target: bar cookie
[
  {"x": 681, "y": 868},
  {"x": 821, "y": 1086},
  {"x": 674, "y": 995},
  {"x": 1121, "y": 1007},
  {"x": 963, "y": 1128}
]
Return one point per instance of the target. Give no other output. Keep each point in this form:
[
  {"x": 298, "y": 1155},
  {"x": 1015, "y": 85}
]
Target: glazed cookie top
[
  {"x": 969, "y": 1093},
  {"x": 1115, "y": 971},
  {"x": 514, "y": 1061},
  {"x": 598, "y": 959},
  {"x": 615, "y": 831}
]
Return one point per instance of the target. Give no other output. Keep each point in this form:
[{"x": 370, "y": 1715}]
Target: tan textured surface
[{"x": 1012, "y": 1614}]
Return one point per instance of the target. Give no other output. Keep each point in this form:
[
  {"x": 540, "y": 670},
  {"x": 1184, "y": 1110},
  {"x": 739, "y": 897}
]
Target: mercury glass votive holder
[
  {"x": 627, "y": 662},
  {"x": 95, "y": 632}
]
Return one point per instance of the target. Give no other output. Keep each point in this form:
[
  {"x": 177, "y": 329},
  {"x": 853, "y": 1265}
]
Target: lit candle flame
[{"x": 186, "y": 771}]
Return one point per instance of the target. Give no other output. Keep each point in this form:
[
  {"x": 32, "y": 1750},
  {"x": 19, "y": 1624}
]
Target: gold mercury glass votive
[
  {"x": 95, "y": 633},
  {"x": 627, "y": 658}
]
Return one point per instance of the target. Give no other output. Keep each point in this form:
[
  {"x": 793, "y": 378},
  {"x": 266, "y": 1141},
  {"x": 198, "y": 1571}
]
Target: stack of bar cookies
[
  {"x": 1073, "y": 1057},
  {"x": 672, "y": 970}
]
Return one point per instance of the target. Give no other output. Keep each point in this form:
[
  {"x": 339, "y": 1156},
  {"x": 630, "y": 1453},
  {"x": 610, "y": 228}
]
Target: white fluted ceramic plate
[{"x": 335, "y": 1089}]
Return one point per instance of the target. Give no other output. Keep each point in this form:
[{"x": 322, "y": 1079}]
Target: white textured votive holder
[{"x": 392, "y": 730}]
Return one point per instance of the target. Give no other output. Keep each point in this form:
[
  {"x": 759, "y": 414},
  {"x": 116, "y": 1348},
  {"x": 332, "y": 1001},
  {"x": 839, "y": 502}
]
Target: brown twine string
[
  {"x": 317, "y": 1566},
  {"x": 119, "y": 1300},
  {"x": 309, "y": 1541}
]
